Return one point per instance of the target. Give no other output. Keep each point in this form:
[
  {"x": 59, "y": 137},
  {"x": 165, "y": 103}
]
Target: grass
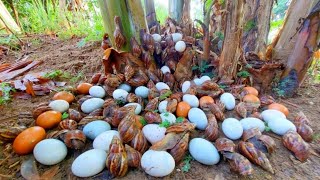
[
  {"x": 5, "y": 93},
  {"x": 56, "y": 74},
  {"x": 243, "y": 74},
  {"x": 186, "y": 163}
]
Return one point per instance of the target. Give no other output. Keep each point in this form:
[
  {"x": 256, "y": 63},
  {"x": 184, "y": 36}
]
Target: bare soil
[{"x": 66, "y": 56}]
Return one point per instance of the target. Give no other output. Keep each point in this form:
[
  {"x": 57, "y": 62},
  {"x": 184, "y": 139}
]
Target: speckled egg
[
  {"x": 156, "y": 37},
  {"x": 163, "y": 106},
  {"x": 120, "y": 94},
  {"x": 185, "y": 86},
  {"x": 250, "y": 122},
  {"x": 161, "y": 85},
  {"x": 270, "y": 114},
  {"x": 125, "y": 87},
  {"x": 165, "y": 69},
  {"x": 281, "y": 125},
  {"x": 168, "y": 117},
  {"x": 91, "y": 104},
  {"x": 176, "y": 37},
  {"x": 180, "y": 46}
]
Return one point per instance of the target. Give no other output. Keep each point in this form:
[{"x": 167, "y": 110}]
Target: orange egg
[
  {"x": 182, "y": 109},
  {"x": 204, "y": 100},
  {"x": 279, "y": 107},
  {"x": 27, "y": 140},
  {"x": 83, "y": 88},
  {"x": 251, "y": 90},
  {"x": 69, "y": 97},
  {"x": 49, "y": 119},
  {"x": 250, "y": 98}
]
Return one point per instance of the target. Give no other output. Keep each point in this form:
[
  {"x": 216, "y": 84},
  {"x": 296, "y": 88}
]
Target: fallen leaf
[
  {"x": 21, "y": 95},
  {"x": 19, "y": 85},
  {"x": 29, "y": 87},
  {"x": 60, "y": 84}
]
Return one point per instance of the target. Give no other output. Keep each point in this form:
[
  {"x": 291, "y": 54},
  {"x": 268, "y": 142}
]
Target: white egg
[
  {"x": 250, "y": 122},
  {"x": 97, "y": 91},
  {"x": 176, "y": 37},
  {"x": 180, "y": 46},
  {"x": 91, "y": 104},
  {"x": 103, "y": 141},
  {"x": 153, "y": 132},
  {"x": 137, "y": 109},
  {"x": 156, "y": 37},
  {"x": 270, "y": 114},
  {"x": 95, "y": 128},
  {"x": 157, "y": 163},
  {"x": 232, "y": 128},
  {"x": 163, "y": 106},
  {"x": 197, "y": 81},
  {"x": 59, "y": 105},
  {"x": 281, "y": 125},
  {"x": 192, "y": 100},
  {"x": 89, "y": 163},
  {"x": 120, "y": 94},
  {"x": 228, "y": 100},
  {"x": 50, "y": 151},
  {"x": 161, "y": 85},
  {"x": 198, "y": 117},
  {"x": 204, "y": 79},
  {"x": 185, "y": 86},
  {"x": 165, "y": 69},
  {"x": 204, "y": 151},
  {"x": 171, "y": 118},
  {"x": 142, "y": 91},
  {"x": 125, "y": 87}
]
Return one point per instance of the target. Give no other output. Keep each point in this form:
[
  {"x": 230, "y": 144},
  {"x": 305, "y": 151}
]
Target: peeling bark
[
  {"x": 300, "y": 59},
  {"x": 283, "y": 44},
  {"x": 186, "y": 19},
  {"x": 256, "y": 27},
  {"x": 231, "y": 50}
]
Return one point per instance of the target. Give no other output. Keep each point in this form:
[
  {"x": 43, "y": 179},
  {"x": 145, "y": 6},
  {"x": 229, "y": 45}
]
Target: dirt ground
[{"x": 65, "y": 55}]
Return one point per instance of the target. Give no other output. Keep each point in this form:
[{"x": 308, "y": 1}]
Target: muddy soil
[{"x": 67, "y": 56}]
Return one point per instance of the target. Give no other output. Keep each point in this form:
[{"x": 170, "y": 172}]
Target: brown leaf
[
  {"x": 19, "y": 85},
  {"x": 29, "y": 88}
]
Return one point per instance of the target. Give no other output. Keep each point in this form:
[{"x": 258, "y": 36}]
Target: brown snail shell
[
  {"x": 74, "y": 115},
  {"x": 134, "y": 156},
  {"x": 75, "y": 139},
  {"x": 127, "y": 128},
  {"x": 172, "y": 105},
  {"x": 8, "y": 134},
  {"x": 152, "y": 117},
  {"x": 139, "y": 79},
  {"x": 152, "y": 76},
  {"x": 239, "y": 163},
  {"x": 113, "y": 81},
  {"x": 241, "y": 110},
  {"x": 225, "y": 145},
  {"x": 180, "y": 149},
  {"x": 169, "y": 79},
  {"x": 83, "y": 99},
  {"x": 294, "y": 142},
  {"x": 95, "y": 78},
  {"x": 136, "y": 49},
  {"x": 68, "y": 124},
  {"x": 58, "y": 134},
  {"x": 117, "y": 160},
  {"x": 139, "y": 142},
  {"x": 305, "y": 131},
  {"x": 128, "y": 72},
  {"x": 132, "y": 97},
  {"x": 212, "y": 129},
  {"x": 152, "y": 105},
  {"x": 178, "y": 96},
  {"x": 97, "y": 112},
  {"x": 185, "y": 126},
  {"x": 39, "y": 110}
]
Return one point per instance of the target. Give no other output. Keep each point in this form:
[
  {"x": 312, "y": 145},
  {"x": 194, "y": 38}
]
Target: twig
[
  {"x": 290, "y": 103},
  {"x": 6, "y": 176},
  {"x": 14, "y": 164}
]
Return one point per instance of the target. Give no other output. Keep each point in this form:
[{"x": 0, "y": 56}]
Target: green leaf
[
  {"x": 143, "y": 121},
  {"x": 120, "y": 102},
  {"x": 165, "y": 95},
  {"x": 165, "y": 124},
  {"x": 186, "y": 163},
  {"x": 65, "y": 115},
  {"x": 243, "y": 74},
  {"x": 267, "y": 128},
  {"x": 6, "y": 90},
  {"x": 195, "y": 68},
  {"x": 179, "y": 120}
]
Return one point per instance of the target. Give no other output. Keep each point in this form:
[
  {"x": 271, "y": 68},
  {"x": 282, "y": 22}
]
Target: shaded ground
[{"x": 65, "y": 55}]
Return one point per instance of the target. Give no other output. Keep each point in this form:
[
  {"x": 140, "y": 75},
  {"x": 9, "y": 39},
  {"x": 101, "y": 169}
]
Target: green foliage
[
  {"x": 243, "y": 74},
  {"x": 143, "y": 121},
  {"x": 161, "y": 12},
  {"x": 120, "y": 102},
  {"x": 249, "y": 25},
  {"x": 279, "y": 8},
  {"x": 179, "y": 120},
  {"x": 6, "y": 90},
  {"x": 56, "y": 74},
  {"x": 165, "y": 124},
  {"x": 222, "y": 86},
  {"x": 202, "y": 68},
  {"x": 279, "y": 92},
  {"x": 186, "y": 163},
  {"x": 276, "y": 24},
  {"x": 165, "y": 95},
  {"x": 267, "y": 128},
  {"x": 65, "y": 115},
  {"x": 77, "y": 78},
  {"x": 220, "y": 35}
]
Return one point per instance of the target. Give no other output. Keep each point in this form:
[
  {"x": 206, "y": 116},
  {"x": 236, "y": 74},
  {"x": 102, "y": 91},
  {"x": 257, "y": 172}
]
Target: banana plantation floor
[{"x": 68, "y": 56}]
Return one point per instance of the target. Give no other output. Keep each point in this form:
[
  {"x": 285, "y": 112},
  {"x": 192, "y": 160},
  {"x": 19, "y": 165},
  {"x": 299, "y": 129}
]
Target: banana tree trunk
[
  {"x": 231, "y": 50},
  {"x": 186, "y": 19},
  {"x": 175, "y": 10},
  {"x": 151, "y": 15},
  {"x": 256, "y": 26},
  {"x": 300, "y": 59},
  {"x": 132, "y": 20},
  {"x": 7, "y": 19},
  {"x": 283, "y": 44}
]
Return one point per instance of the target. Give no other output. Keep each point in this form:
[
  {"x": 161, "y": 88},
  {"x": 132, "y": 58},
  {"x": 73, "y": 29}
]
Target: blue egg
[{"x": 95, "y": 128}]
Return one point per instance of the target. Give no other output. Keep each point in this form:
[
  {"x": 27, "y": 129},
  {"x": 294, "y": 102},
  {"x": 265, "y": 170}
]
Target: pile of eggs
[{"x": 50, "y": 151}]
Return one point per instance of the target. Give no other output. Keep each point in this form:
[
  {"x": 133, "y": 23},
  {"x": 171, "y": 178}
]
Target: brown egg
[
  {"x": 250, "y": 98},
  {"x": 279, "y": 107},
  {"x": 27, "y": 140},
  {"x": 251, "y": 90},
  {"x": 83, "y": 88},
  {"x": 64, "y": 95},
  {"x": 49, "y": 119}
]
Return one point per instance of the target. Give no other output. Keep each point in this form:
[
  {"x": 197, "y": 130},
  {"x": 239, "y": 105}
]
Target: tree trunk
[
  {"x": 151, "y": 15},
  {"x": 131, "y": 16},
  {"x": 186, "y": 19},
  {"x": 256, "y": 26},
  {"x": 8, "y": 20},
  {"x": 300, "y": 59},
  {"x": 231, "y": 50},
  {"x": 283, "y": 44},
  {"x": 175, "y": 10}
]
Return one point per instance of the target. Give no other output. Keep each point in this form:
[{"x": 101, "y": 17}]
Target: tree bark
[
  {"x": 132, "y": 19},
  {"x": 151, "y": 15},
  {"x": 283, "y": 44},
  {"x": 231, "y": 50},
  {"x": 186, "y": 19},
  {"x": 257, "y": 15},
  {"x": 175, "y": 10},
  {"x": 7, "y": 19},
  {"x": 300, "y": 59}
]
